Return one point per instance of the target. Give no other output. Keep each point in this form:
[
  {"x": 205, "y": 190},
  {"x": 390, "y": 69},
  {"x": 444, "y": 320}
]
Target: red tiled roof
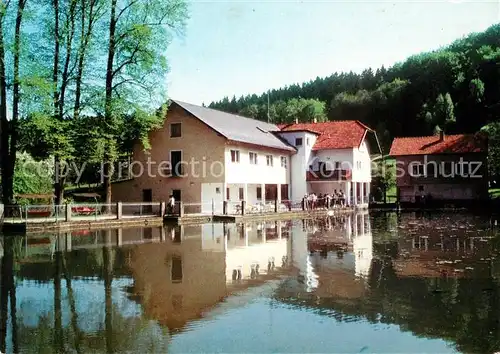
[
  {"x": 332, "y": 135},
  {"x": 428, "y": 145}
]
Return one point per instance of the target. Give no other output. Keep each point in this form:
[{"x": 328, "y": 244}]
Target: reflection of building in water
[
  {"x": 197, "y": 266},
  {"x": 427, "y": 249},
  {"x": 179, "y": 273},
  {"x": 251, "y": 249},
  {"x": 334, "y": 255}
]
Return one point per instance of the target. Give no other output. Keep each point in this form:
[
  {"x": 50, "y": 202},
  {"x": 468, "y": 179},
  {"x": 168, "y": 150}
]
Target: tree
[
  {"x": 493, "y": 132},
  {"x": 134, "y": 64},
  {"x": 384, "y": 178},
  {"x": 31, "y": 176},
  {"x": 9, "y": 129},
  {"x": 444, "y": 112},
  {"x": 455, "y": 87}
]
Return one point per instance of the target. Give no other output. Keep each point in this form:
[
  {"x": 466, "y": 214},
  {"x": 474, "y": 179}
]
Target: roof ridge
[{"x": 221, "y": 111}]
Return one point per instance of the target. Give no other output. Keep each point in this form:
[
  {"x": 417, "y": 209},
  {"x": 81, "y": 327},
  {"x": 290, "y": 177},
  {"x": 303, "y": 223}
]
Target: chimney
[
  {"x": 441, "y": 135},
  {"x": 296, "y": 120},
  {"x": 315, "y": 120}
]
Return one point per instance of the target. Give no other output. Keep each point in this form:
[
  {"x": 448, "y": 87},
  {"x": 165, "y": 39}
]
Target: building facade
[
  {"x": 330, "y": 156},
  {"x": 204, "y": 156},
  {"x": 446, "y": 168}
]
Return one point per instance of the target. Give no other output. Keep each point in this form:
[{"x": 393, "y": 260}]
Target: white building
[
  {"x": 214, "y": 156},
  {"x": 330, "y": 156}
]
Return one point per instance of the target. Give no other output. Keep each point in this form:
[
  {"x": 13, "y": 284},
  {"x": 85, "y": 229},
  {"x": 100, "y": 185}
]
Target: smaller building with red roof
[{"x": 446, "y": 168}]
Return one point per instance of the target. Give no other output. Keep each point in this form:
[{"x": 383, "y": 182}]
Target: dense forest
[{"x": 455, "y": 88}]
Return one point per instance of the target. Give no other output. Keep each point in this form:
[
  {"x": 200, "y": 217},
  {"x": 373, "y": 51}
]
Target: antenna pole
[{"x": 268, "y": 115}]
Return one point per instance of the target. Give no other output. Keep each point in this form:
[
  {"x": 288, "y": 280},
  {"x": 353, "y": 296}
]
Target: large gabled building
[{"x": 204, "y": 156}]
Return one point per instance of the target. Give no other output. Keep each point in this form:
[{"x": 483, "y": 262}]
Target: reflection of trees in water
[
  {"x": 130, "y": 334},
  {"x": 464, "y": 311},
  {"x": 8, "y": 295},
  {"x": 50, "y": 335}
]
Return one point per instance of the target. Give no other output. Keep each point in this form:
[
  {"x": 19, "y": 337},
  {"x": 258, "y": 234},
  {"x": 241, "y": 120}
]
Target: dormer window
[{"x": 298, "y": 141}]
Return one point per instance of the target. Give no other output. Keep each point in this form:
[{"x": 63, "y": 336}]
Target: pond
[{"x": 378, "y": 282}]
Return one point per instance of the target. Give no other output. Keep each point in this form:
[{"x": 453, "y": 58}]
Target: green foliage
[
  {"x": 493, "y": 131},
  {"x": 43, "y": 136},
  {"x": 384, "y": 178},
  {"x": 78, "y": 128},
  {"x": 31, "y": 176},
  {"x": 455, "y": 87}
]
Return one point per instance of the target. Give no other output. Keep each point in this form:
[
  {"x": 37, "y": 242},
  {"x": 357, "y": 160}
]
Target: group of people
[{"x": 322, "y": 201}]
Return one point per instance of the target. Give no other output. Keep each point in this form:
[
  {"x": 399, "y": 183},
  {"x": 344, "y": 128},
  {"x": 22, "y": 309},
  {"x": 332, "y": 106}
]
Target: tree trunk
[
  {"x": 109, "y": 96},
  {"x": 15, "y": 102},
  {"x": 85, "y": 34},
  {"x": 55, "y": 77},
  {"x": 69, "y": 45},
  {"x": 7, "y": 192}
]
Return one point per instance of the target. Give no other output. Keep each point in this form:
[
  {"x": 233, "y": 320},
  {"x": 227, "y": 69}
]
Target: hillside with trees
[{"x": 456, "y": 88}]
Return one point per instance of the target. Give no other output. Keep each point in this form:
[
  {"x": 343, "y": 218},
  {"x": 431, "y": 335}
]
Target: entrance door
[
  {"x": 147, "y": 197},
  {"x": 284, "y": 192},
  {"x": 177, "y": 194}
]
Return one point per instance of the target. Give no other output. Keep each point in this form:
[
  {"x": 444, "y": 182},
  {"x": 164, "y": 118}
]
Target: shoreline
[{"x": 32, "y": 228}]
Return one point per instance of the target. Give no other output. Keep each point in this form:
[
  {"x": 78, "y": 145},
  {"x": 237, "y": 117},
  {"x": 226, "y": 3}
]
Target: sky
[{"x": 245, "y": 47}]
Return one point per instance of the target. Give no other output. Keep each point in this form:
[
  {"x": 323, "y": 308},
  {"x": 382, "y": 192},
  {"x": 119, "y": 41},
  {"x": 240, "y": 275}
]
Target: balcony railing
[{"x": 328, "y": 175}]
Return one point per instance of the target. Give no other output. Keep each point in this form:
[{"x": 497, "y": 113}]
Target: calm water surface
[{"x": 360, "y": 283}]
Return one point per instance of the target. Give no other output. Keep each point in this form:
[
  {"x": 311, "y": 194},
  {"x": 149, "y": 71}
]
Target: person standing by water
[
  {"x": 342, "y": 198},
  {"x": 335, "y": 198},
  {"x": 171, "y": 204}
]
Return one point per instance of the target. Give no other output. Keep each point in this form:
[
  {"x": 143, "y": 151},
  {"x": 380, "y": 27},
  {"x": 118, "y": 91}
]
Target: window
[
  {"x": 431, "y": 170},
  {"x": 175, "y": 130},
  {"x": 227, "y": 193},
  {"x": 269, "y": 159},
  {"x": 358, "y": 165},
  {"x": 259, "y": 192},
  {"x": 298, "y": 141},
  {"x": 176, "y": 163},
  {"x": 253, "y": 158},
  {"x": 217, "y": 190},
  {"x": 337, "y": 165},
  {"x": 420, "y": 188},
  {"x": 417, "y": 170},
  {"x": 235, "y": 156},
  {"x": 307, "y": 141},
  {"x": 242, "y": 194},
  {"x": 176, "y": 270},
  {"x": 283, "y": 161}
]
